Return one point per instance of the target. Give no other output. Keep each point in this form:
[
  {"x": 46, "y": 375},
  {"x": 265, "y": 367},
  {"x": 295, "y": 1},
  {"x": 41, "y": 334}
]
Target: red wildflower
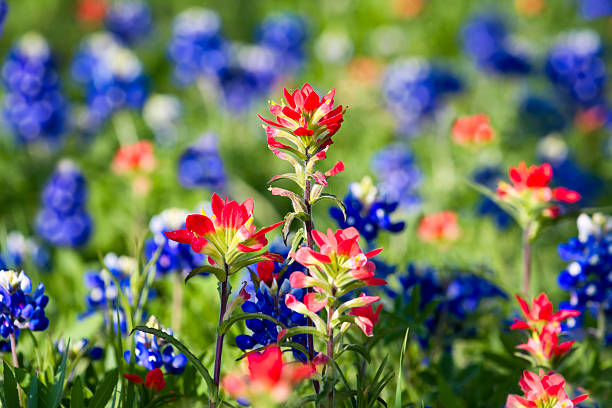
[
  {"x": 441, "y": 227},
  {"x": 545, "y": 345},
  {"x": 155, "y": 380},
  {"x": 135, "y": 157},
  {"x": 267, "y": 375},
  {"x": 367, "y": 316},
  {"x": 133, "y": 378},
  {"x": 541, "y": 315},
  {"x": 542, "y": 390},
  {"x": 265, "y": 272},
  {"x": 91, "y": 11},
  {"x": 472, "y": 130}
]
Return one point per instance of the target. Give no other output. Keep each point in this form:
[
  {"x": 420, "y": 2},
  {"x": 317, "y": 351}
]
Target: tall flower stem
[
  {"x": 177, "y": 302},
  {"x": 526, "y": 259},
  {"x": 219, "y": 347},
  {"x": 330, "y": 354},
  {"x": 14, "y": 350}
]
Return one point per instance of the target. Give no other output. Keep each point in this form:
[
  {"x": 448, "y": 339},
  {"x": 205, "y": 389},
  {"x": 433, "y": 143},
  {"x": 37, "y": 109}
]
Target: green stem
[
  {"x": 213, "y": 399},
  {"x": 330, "y": 355},
  {"x": 526, "y": 260},
  {"x": 177, "y": 302},
  {"x": 14, "y": 350}
]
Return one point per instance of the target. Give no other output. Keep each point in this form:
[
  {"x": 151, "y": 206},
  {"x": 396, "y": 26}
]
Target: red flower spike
[
  {"x": 540, "y": 314},
  {"x": 542, "y": 390},
  {"x": 134, "y": 158},
  {"x": 155, "y": 380},
  {"x": 133, "y": 378},
  {"x": 472, "y": 130},
  {"x": 439, "y": 228}
]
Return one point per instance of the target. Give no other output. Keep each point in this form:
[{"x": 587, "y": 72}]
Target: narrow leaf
[
  {"x": 105, "y": 390},
  {"x": 11, "y": 392},
  {"x": 77, "y": 398},
  {"x": 218, "y": 272}
]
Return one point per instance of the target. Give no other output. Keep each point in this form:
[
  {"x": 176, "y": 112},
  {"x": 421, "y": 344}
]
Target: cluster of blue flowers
[
  {"x": 367, "y": 211},
  {"x": 239, "y": 73},
  {"x": 171, "y": 255},
  {"x": 588, "y": 277},
  {"x": 19, "y": 251},
  {"x": 270, "y": 300},
  {"x": 457, "y": 298},
  {"x": 3, "y": 13},
  {"x": 591, "y": 9},
  {"x": 576, "y": 67},
  {"x": 20, "y": 308},
  {"x": 414, "y": 90},
  {"x": 63, "y": 219},
  {"x": 487, "y": 41},
  {"x": 152, "y": 352},
  {"x": 201, "y": 166},
  {"x": 398, "y": 175},
  {"x": 34, "y": 106},
  {"x": 112, "y": 75},
  {"x": 129, "y": 21},
  {"x": 103, "y": 293}
]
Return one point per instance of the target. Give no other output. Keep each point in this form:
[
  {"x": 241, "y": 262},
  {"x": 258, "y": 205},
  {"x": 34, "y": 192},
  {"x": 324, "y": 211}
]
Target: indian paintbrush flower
[
  {"x": 440, "y": 228},
  {"x": 472, "y": 130},
  {"x": 543, "y": 390}
]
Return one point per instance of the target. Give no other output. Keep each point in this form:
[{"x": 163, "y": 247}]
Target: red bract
[
  {"x": 472, "y": 130},
  {"x": 440, "y": 228},
  {"x": 367, "y": 316},
  {"x": 135, "y": 157},
  {"x": 542, "y": 390},
  {"x": 267, "y": 376},
  {"x": 545, "y": 345},
  {"x": 530, "y": 186},
  {"x": 541, "y": 315},
  {"x": 304, "y": 119},
  {"x": 228, "y": 235},
  {"x": 133, "y": 378},
  {"x": 155, "y": 380},
  {"x": 91, "y": 11}
]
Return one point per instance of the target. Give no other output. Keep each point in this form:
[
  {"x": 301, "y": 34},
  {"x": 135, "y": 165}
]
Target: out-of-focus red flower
[
  {"x": 589, "y": 120},
  {"x": 267, "y": 375},
  {"x": 439, "y": 228},
  {"x": 364, "y": 70},
  {"x": 227, "y": 233},
  {"x": 155, "y": 380},
  {"x": 137, "y": 157},
  {"x": 543, "y": 390},
  {"x": 303, "y": 114},
  {"x": 530, "y": 8},
  {"x": 91, "y": 11},
  {"x": 408, "y": 8},
  {"x": 367, "y": 316},
  {"x": 133, "y": 378},
  {"x": 472, "y": 130},
  {"x": 541, "y": 315}
]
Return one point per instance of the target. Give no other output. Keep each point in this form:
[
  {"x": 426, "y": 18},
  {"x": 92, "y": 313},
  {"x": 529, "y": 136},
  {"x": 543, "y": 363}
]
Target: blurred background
[{"x": 80, "y": 79}]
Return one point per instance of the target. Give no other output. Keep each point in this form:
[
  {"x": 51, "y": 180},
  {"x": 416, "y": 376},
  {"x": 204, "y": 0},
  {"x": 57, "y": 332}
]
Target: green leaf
[
  {"x": 77, "y": 398},
  {"x": 398, "y": 387},
  {"x": 218, "y": 272},
  {"x": 11, "y": 392},
  {"x": 297, "y": 201},
  {"x": 303, "y": 330},
  {"x": 32, "y": 401},
  {"x": 212, "y": 389},
  {"x": 356, "y": 348},
  {"x": 227, "y": 324},
  {"x": 54, "y": 395},
  {"x": 105, "y": 389},
  {"x": 333, "y": 198},
  {"x": 285, "y": 176}
]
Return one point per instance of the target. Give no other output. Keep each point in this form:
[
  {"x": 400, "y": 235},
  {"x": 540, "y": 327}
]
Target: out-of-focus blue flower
[
  {"x": 63, "y": 219},
  {"x": 201, "y": 166},
  {"x": 540, "y": 116},
  {"x": 591, "y": 9},
  {"x": 488, "y": 176},
  {"x": 588, "y": 277},
  {"x": 171, "y": 255},
  {"x": 80, "y": 347},
  {"x": 366, "y": 211},
  {"x": 270, "y": 300},
  {"x": 286, "y": 35},
  {"x": 19, "y": 250},
  {"x": 414, "y": 90},
  {"x": 34, "y": 106},
  {"x": 20, "y": 308},
  {"x": 197, "y": 47},
  {"x": 103, "y": 291},
  {"x": 553, "y": 150},
  {"x": 112, "y": 76},
  {"x": 457, "y": 297},
  {"x": 487, "y": 42},
  {"x": 398, "y": 175},
  {"x": 152, "y": 352},
  {"x": 162, "y": 113},
  {"x": 129, "y": 21},
  {"x": 576, "y": 68},
  {"x": 3, "y": 13}
]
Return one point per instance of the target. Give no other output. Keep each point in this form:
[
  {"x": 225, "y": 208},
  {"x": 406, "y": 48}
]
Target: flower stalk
[
  {"x": 224, "y": 296},
  {"x": 526, "y": 260}
]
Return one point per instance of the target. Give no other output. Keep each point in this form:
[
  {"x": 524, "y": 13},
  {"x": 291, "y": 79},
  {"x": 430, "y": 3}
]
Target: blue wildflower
[
  {"x": 34, "y": 106},
  {"x": 540, "y": 116},
  {"x": 285, "y": 35},
  {"x": 19, "y": 250},
  {"x": 487, "y": 42},
  {"x": 3, "y": 13},
  {"x": 591, "y": 9},
  {"x": 576, "y": 67},
  {"x": 153, "y": 352},
  {"x": 201, "y": 166},
  {"x": 20, "y": 308},
  {"x": 399, "y": 176},
  {"x": 488, "y": 176},
  {"x": 129, "y": 21},
  {"x": 171, "y": 255},
  {"x": 80, "y": 347},
  {"x": 198, "y": 47},
  {"x": 367, "y": 211},
  {"x": 112, "y": 75},
  {"x": 63, "y": 219},
  {"x": 414, "y": 90}
]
